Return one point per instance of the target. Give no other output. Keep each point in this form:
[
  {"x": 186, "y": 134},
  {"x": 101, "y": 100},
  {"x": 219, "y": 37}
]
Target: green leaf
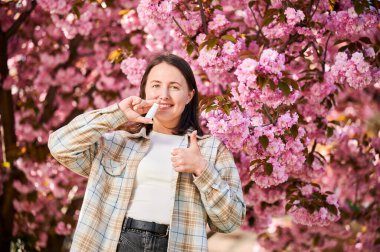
[
  {"x": 264, "y": 141},
  {"x": 272, "y": 85},
  {"x": 115, "y": 56},
  {"x": 123, "y": 12},
  {"x": 316, "y": 240},
  {"x": 288, "y": 206},
  {"x": 256, "y": 161},
  {"x": 284, "y": 88},
  {"x": 211, "y": 43},
  {"x": 359, "y": 6},
  {"x": 189, "y": 49},
  {"x": 251, "y": 221},
  {"x": 332, "y": 4},
  {"x": 292, "y": 83},
  {"x": 247, "y": 187},
  {"x": 366, "y": 40},
  {"x": 209, "y": 108},
  {"x": 76, "y": 11},
  {"x": 310, "y": 159},
  {"x": 226, "y": 109},
  {"x": 261, "y": 81},
  {"x": 339, "y": 41},
  {"x": 329, "y": 131},
  {"x": 218, "y": 7},
  {"x": 269, "y": 16},
  {"x": 332, "y": 209},
  {"x": 335, "y": 122},
  {"x": 251, "y": 3},
  {"x": 229, "y": 38},
  {"x": 268, "y": 20},
  {"x": 294, "y": 130},
  {"x": 203, "y": 44},
  {"x": 32, "y": 196},
  {"x": 268, "y": 168}
]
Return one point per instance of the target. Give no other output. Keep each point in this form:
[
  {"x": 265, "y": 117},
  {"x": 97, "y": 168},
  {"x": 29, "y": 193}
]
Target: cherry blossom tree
[{"x": 291, "y": 87}]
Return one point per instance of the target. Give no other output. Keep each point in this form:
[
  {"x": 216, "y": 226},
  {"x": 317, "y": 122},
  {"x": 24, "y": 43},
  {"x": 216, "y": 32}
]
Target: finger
[
  {"x": 176, "y": 152},
  {"x": 177, "y": 161},
  {"x": 144, "y": 120},
  {"x": 136, "y": 100},
  {"x": 173, "y": 159},
  {"x": 193, "y": 139},
  {"x": 144, "y": 106}
]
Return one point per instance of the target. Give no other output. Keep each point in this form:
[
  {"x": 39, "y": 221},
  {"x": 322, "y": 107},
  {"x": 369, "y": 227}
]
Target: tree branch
[
  {"x": 49, "y": 109},
  {"x": 186, "y": 35},
  {"x": 16, "y": 25},
  {"x": 267, "y": 114},
  {"x": 204, "y": 21},
  {"x": 258, "y": 25},
  {"x": 325, "y": 54}
]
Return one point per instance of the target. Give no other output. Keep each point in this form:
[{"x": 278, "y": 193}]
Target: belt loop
[{"x": 125, "y": 223}]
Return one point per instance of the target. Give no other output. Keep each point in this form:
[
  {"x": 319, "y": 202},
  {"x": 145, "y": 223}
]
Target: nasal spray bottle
[{"x": 152, "y": 111}]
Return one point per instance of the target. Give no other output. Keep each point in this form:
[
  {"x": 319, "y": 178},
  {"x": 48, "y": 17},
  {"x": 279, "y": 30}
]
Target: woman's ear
[{"x": 191, "y": 95}]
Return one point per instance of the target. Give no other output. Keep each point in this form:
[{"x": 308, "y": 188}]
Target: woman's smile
[{"x": 165, "y": 106}]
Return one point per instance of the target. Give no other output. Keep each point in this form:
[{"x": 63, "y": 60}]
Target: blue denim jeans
[{"x": 134, "y": 240}]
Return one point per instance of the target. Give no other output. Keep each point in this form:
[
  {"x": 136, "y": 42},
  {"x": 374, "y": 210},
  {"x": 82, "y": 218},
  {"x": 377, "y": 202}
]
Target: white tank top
[{"x": 151, "y": 195}]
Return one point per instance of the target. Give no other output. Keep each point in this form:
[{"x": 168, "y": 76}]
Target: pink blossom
[
  {"x": 355, "y": 72},
  {"x": 218, "y": 23},
  {"x": 321, "y": 217},
  {"x": 134, "y": 69},
  {"x": 307, "y": 190},
  {"x": 294, "y": 16},
  {"x": 63, "y": 229},
  {"x": 52, "y": 6},
  {"x": 130, "y": 22},
  {"x": 232, "y": 129},
  {"x": 348, "y": 24},
  {"x": 332, "y": 199}
]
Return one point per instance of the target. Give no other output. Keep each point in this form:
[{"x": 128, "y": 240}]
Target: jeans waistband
[{"x": 146, "y": 226}]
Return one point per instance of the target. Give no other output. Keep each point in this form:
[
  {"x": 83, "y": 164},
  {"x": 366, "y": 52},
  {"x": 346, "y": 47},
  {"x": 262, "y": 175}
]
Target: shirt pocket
[{"x": 113, "y": 167}]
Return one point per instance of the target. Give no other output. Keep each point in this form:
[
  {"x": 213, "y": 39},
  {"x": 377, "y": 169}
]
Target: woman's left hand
[{"x": 189, "y": 159}]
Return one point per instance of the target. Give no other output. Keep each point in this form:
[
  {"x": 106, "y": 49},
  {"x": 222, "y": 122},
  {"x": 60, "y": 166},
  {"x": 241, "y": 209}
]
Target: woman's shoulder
[{"x": 209, "y": 141}]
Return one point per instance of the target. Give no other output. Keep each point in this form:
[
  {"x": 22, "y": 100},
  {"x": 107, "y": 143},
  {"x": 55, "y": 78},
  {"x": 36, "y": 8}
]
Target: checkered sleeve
[
  {"x": 75, "y": 145},
  {"x": 221, "y": 193}
]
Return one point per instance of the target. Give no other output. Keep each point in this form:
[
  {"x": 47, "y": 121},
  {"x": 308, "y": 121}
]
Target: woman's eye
[
  {"x": 175, "y": 87},
  {"x": 155, "y": 85}
]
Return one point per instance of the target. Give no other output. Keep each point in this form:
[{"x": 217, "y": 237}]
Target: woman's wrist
[{"x": 201, "y": 167}]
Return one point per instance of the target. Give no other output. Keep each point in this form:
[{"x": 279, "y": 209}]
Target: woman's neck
[{"x": 161, "y": 128}]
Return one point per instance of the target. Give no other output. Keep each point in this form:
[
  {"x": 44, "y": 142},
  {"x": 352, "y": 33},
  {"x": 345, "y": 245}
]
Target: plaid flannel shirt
[{"x": 91, "y": 147}]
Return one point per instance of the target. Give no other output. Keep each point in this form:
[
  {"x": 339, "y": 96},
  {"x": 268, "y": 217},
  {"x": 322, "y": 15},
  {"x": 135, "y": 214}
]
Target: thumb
[{"x": 193, "y": 139}]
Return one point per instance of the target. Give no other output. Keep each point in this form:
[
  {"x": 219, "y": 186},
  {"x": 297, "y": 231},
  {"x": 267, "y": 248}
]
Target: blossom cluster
[
  {"x": 134, "y": 69},
  {"x": 232, "y": 129},
  {"x": 349, "y": 24},
  {"x": 354, "y": 71},
  {"x": 252, "y": 94},
  {"x": 309, "y": 214}
]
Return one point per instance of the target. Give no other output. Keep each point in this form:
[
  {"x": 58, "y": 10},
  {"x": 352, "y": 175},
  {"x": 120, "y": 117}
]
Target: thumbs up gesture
[{"x": 189, "y": 159}]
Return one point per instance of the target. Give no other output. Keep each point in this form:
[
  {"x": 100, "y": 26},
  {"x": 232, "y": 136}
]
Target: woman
[{"x": 157, "y": 188}]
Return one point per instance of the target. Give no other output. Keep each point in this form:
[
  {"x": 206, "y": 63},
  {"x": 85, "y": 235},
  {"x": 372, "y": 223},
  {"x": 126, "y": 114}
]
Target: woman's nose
[{"x": 164, "y": 94}]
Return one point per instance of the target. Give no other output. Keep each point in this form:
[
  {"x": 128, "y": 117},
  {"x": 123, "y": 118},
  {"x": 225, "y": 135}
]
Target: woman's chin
[{"x": 166, "y": 118}]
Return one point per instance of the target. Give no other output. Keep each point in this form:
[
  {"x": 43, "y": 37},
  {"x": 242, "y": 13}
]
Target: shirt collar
[{"x": 142, "y": 133}]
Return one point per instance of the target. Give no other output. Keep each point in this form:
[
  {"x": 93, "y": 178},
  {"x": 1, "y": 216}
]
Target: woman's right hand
[{"x": 134, "y": 106}]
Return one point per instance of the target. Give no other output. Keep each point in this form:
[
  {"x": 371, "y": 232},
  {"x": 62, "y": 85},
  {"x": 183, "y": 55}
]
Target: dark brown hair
[{"x": 189, "y": 117}]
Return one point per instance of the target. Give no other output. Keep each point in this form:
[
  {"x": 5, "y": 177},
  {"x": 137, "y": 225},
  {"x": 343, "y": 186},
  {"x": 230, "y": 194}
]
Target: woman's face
[{"x": 167, "y": 84}]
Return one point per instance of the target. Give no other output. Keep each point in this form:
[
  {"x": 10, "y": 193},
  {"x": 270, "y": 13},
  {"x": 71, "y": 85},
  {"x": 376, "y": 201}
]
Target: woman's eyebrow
[{"x": 171, "y": 82}]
